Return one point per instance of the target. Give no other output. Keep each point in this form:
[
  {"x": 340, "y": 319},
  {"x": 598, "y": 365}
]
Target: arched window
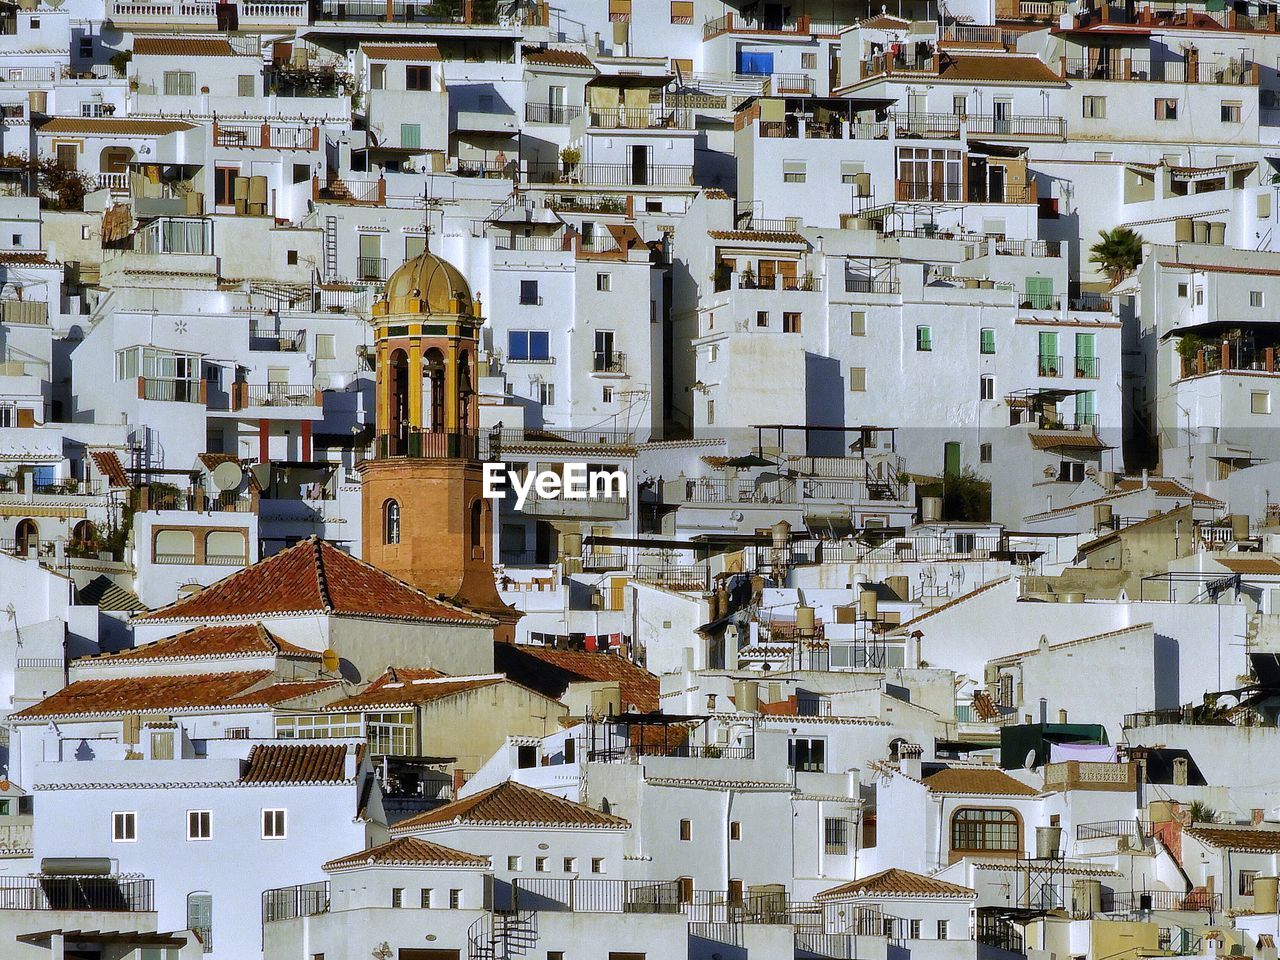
[
  {"x": 975, "y": 828},
  {"x": 391, "y": 522},
  {"x": 27, "y": 536},
  {"x": 465, "y": 392},
  {"x": 398, "y": 426},
  {"x": 200, "y": 917},
  {"x": 477, "y": 530},
  {"x": 433, "y": 369}
]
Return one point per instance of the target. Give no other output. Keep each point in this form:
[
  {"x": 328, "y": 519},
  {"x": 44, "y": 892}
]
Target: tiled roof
[
  {"x": 407, "y": 852},
  {"x": 898, "y": 883},
  {"x": 1079, "y": 641},
  {"x": 1073, "y": 441},
  {"x": 1250, "y": 841},
  {"x": 515, "y": 805},
  {"x": 956, "y": 601},
  {"x": 557, "y": 58},
  {"x": 968, "y": 780},
  {"x": 281, "y": 692},
  {"x": 997, "y": 68},
  {"x": 212, "y": 641},
  {"x": 109, "y": 465},
  {"x": 551, "y": 671},
  {"x": 182, "y": 47},
  {"x": 122, "y": 126},
  {"x": 106, "y": 594},
  {"x": 37, "y": 258},
  {"x": 139, "y": 694},
  {"x": 313, "y": 577},
  {"x": 296, "y": 763},
  {"x": 1161, "y": 486},
  {"x": 401, "y": 51},
  {"x": 402, "y": 686},
  {"x": 757, "y": 236},
  {"x": 884, "y": 21},
  {"x": 1253, "y": 565}
]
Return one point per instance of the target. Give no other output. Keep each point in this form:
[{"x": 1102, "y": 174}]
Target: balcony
[
  {"x": 930, "y": 191},
  {"x": 429, "y": 444},
  {"x": 371, "y": 268},
  {"x": 1090, "y": 303},
  {"x": 1084, "y": 775},
  {"x": 1026, "y": 248},
  {"x": 490, "y": 169},
  {"x": 612, "y": 174},
  {"x": 1167, "y": 901},
  {"x": 175, "y": 235},
  {"x": 1233, "y": 73},
  {"x": 609, "y": 361},
  {"x": 1047, "y": 366},
  {"x": 277, "y": 340},
  {"x": 337, "y": 190},
  {"x": 266, "y": 136},
  {"x": 556, "y": 113},
  {"x": 640, "y": 118},
  {"x": 1086, "y": 368},
  {"x": 929, "y": 126},
  {"x": 303, "y": 900},
  {"x": 459, "y": 13},
  {"x": 29, "y": 74},
  {"x": 171, "y": 390},
  {"x": 541, "y": 439},
  {"x": 274, "y": 395},
  {"x": 802, "y": 26},
  {"x": 97, "y": 893},
  {"x": 1107, "y": 829},
  {"x": 595, "y": 896},
  {"x": 1017, "y": 126}
]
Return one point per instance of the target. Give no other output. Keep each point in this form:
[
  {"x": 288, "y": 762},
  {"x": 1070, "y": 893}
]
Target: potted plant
[{"x": 570, "y": 157}]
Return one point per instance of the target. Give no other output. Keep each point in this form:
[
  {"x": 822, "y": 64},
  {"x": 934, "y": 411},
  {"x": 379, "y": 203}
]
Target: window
[
  {"x": 850, "y": 169},
  {"x": 604, "y": 282},
  {"x": 1229, "y": 111},
  {"x": 762, "y": 318},
  {"x": 1264, "y": 206},
  {"x": 1182, "y": 290},
  {"x": 606, "y": 394},
  {"x": 179, "y": 83},
  {"x": 200, "y": 918},
  {"x": 597, "y": 865},
  {"x": 807, "y": 754},
  {"x": 245, "y": 85},
  {"x": 67, "y": 154},
  {"x": 1255, "y": 298},
  {"x": 529, "y": 292},
  {"x": 411, "y": 135},
  {"x": 1246, "y": 882},
  {"x": 326, "y": 346},
  {"x": 1070, "y": 471},
  {"x": 915, "y": 930},
  {"x": 513, "y": 864},
  {"x": 794, "y": 171},
  {"x": 273, "y": 824},
  {"x": 162, "y": 745},
  {"x": 835, "y": 832},
  {"x": 711, "y": 413},
  {"x": 199, "y": 825},
  {"x": 924, "y": 339},
  {"x": 417, "y": 76},
  {"x": 455, "y": 899},
  {"x": 1093, "y": 108},
  {"x": 570, "y": 864},
  {"x": 987, "y": 340},
  {"x": 124, "y": 827},
  {"x": 1102, "y": 156},
  {"x": 857, "y": 379},
  {"x": 391, "y": 522},
  {"x": 686, "y": 829},
  {"x": 531, "y": 345},
  {"x": 682, "y": 11},
  {"x": 224, "y": 185},
  {"x": 942, "y": 929},
  {"x": 974, "y": 828},
  {"x": 424, "y": 898},
  {"x": 857, "y": 323},
  {"x": 1199, "y": 296},
  {"x": 547, "y": 394},
  {"x": 808, "y": 61},
  {"x": 1260, "y": 401},
  {"x": 986, "y": 387},
  {"x": 540, "y": 865},
  {"x": 86, "y": 48},
  {"x": 735, "y": 830},
  {"x": 397, "y": 897},
  {"x": 791, "y": 322},
  {"x": 1166, "y": 108},
  {"x": 984, "y": 453}
]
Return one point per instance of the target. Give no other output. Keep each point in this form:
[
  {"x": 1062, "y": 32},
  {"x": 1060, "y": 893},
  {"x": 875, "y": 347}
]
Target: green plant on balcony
[
  {"x": 1117, "y": 252},
  {"x": 570, "y": 157}
]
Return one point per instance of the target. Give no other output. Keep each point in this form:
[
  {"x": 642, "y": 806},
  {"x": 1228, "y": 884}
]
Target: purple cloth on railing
[{"x": 1091, "y": 752}]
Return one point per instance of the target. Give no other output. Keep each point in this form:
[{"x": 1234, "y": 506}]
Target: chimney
[
  {"x": 1256, "y": 816},
  {"x": 1145, "y": 479},
  {"x": 459, "y": 779}
]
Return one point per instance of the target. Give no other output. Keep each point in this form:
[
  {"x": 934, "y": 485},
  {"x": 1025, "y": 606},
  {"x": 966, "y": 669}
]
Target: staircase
[{"x": 503, "y": 935}]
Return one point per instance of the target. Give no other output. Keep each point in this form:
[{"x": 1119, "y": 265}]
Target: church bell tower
[{"x": 425, "y": 518}]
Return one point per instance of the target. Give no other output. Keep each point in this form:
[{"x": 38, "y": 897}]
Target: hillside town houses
[{"x": 624, "y": 479}]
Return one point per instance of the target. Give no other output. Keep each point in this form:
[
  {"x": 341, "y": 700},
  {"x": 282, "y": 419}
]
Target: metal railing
[
  {"x": 180, "y": 391},
  {"x": 1190, "y": 715},
  {"x": 1194, "y": 901},
  {"x": 675, "y": 576},
  {"x": 1090, "y": 303},
  {"x": 430, "y": 444},
  {"x": 278, "y": 340},
  {"x": 115, "y": 894},
  {"x": 279, "y": 395},
  {"x": 551, "y": 112},
  {"x": 258, "y": 135},
  {"x": 1026, "y": 248},
  {"x": 612, "y": 174},
  {"x": 1047, "y": 366},
  {"x": 614, "y": 361},
  {"x": 1087, "y": 368},
  {"x": 516, "y": 242},
  {"x": 495, "y": 441},
  {"x": 796, "y": 83},
  {"x": 595, "y": 896},
  {"x": 860, "y": 284},
  {"x": 303, "y": 900},
  {"x": 641, "y": 118},
  {"x": 1016, "y": 126},
  {"x": 1104, "y": 829},
  {"x": 371, "y": 268},
  {"x": 930, "y": 191}
]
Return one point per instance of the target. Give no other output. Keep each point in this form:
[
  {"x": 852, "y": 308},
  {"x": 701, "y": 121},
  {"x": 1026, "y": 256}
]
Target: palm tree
[
  {"x": 1118, "y": 252},
  {"x": 1201, "y": 812}
]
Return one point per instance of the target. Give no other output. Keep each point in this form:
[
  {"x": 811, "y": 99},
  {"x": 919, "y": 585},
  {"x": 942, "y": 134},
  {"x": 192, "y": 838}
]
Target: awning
[
  {"x": 830, "y": 523},
  {"x": 131, "y": 938}
]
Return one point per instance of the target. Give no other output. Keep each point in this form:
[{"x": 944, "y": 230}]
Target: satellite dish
[
  {"x": 227, "y": 476},
  {"x": 1029, "y": 763},
  {"x": 329, "y": 660},
  {"x": 262, "y": 473}
]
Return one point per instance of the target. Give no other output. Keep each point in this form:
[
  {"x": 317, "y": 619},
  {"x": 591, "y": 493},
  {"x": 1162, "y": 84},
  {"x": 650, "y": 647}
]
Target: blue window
[
  {"x": 45, "y": 476},
  {"x": 528, "y": 345},
  {"x": 755, "y": 62}
]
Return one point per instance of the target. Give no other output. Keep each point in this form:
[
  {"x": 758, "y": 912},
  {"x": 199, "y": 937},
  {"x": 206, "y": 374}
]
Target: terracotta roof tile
[
  {"x": 251, "y": 639},
  {"x": 884, "y": 21},
  {"x": 1072, "y": 441},
  {"x": 897, "y": 883},
  {"x": 1226, "y": 838},
  {"x": 997, "y": 68},
  {"x": 282, "y": 692},
  {"x": 109, "y": 465},
  {"x": 407, "y": 852},
  {"x": 513, "y": 804},
  {"x": 182, "y": 47},
  {"x": 757, "y": 236},
  {"x": 140, "y": 694},
  {"x": 956, "y": 601},
  {"x": 968, "y": 780},
  {"x": 551, "y": 671},
  {"x": 296, "y": 763},
  {"x": 313, "y": 576},
  {"x": 106, "y": 594},
  {"x": 401, "y": 51},
  {"x": 557, "y": 58},
  {"x": 403, "y": 686},
  {"x": 122, "y": 126},
  {"x": 27, "y": 259},
  {"x": 1253, "y": 565}
]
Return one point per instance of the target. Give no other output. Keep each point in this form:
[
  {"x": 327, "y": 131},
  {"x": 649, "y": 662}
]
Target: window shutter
[{"x": 857, "y": 379}]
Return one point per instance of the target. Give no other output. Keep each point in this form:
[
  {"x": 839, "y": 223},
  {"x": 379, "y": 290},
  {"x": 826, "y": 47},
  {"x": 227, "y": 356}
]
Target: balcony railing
[
  {"x": 1026, "y": 248},
  {"x": 551, "y": 112},
  {"x": 1195, "y": 901},
  {"x": 491, "y": 169},
  {"x": 456, "y": 12},
  {"x": 612, "y": 174},
  {"x": 1047, "y": 366},
  {"x": 614, "y": 361},
  {"x": 1090, "y": 303},
  {"x": 371, "y": 268},
  {"x": 641, "y": 118},
  {"x": 114, "y": 894},
  {"x": 429, "y": 444},
  {"x": 859, "y": 284},
  {"x": 1054, "y": 128},
  {"x": 1087, "y": 368},
  {"x": 277, "y": 395},
  {"x": 266, "y": 136},
  {"x": 304, "y": 900},
  {"x": 930, "y": 191},
  {"x": 799, "y": 84},
  {"x": 277, "y": 340},
  {"x": 1105, "y": 829},
  {"x": 179, "y": 391},
  {"x": 1233, "y": 73},
  {"x": 1040, "y": 301},
  {"x": 595, "y": 896}
]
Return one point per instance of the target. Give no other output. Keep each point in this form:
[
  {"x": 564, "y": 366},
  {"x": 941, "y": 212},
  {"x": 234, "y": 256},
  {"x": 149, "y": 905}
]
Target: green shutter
[{"x": 1040, "y": 292}]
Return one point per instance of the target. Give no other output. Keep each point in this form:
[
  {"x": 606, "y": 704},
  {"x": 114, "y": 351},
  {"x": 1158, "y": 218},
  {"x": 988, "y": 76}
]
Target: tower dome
[{"x": 427, "y": 284}]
